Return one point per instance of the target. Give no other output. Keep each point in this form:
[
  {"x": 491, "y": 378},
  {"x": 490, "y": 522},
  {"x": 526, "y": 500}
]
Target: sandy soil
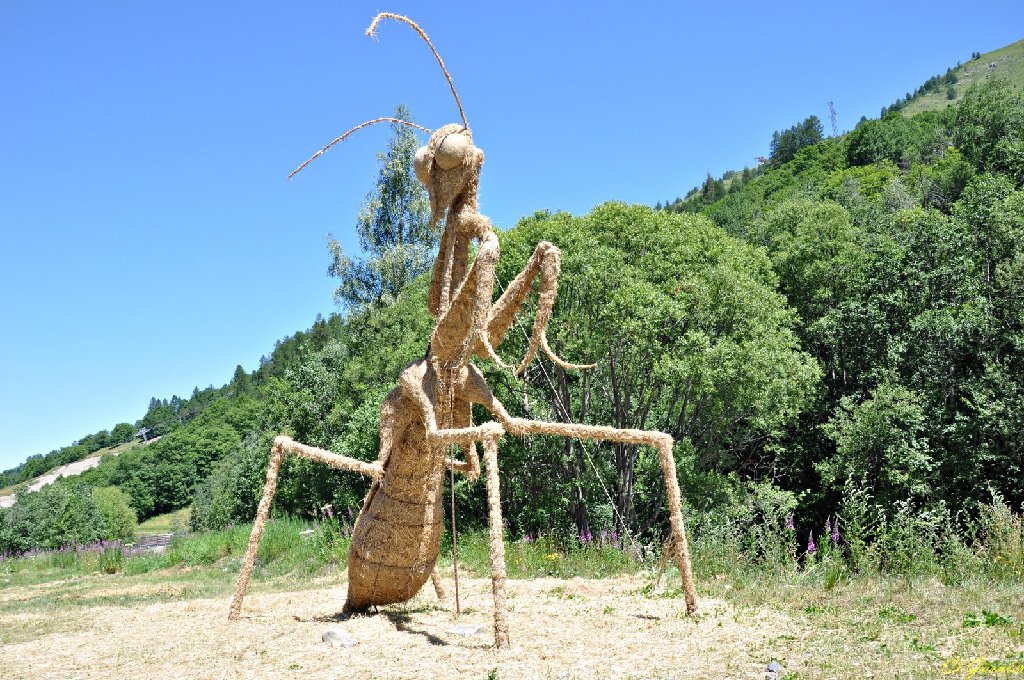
[{"x": 560, "y": 629}]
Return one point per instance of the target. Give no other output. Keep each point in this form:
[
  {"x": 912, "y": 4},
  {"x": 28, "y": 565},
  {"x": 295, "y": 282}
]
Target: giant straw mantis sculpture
[{"x": 397, "y": 535}]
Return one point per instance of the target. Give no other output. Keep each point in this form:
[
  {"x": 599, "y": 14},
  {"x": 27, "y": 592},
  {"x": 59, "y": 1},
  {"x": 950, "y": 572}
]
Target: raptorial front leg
[
  {"x": 467, "y": 307},
  {"x": 470, "y": 467},
  {"x": 545, "y": 263},
  {"x": 281, "y": 446}
]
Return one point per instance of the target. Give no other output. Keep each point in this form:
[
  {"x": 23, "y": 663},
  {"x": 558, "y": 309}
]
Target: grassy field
[
  {"x": 172, "y": 522},
  {"x": 1006, "y": 63},
  {"x": 165, "y": 615}
]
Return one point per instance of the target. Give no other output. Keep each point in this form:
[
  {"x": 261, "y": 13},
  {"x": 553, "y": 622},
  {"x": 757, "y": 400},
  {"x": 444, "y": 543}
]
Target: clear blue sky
[{"x": 151, "y": 241}]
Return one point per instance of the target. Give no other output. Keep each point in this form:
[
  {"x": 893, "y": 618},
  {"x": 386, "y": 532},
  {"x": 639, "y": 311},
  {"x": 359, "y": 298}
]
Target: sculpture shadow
[{"x": 400, "y": 620}]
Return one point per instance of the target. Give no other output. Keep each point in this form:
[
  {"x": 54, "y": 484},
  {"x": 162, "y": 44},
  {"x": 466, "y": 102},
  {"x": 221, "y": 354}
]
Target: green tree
[
  {"x": 393, "y": 227},
  {"x": 991, "y": 111},
  {"x": 820, "y": 257},
  {"x": 785, "y": 144},
  {"x": 891, "y": 138},
  {"x": 165, "y": 475},
  {"x": 240, "y": 380},
  {"x": 232, "y": 492},
  {"x": 690, "y": 337},
  {"x": 122, "y": 433},
  {"x": 59, "y": 514},
  {"x": 119, "y": 520},
  {"x": 881, "y": 442},
  {"x": 712, "y": 189}
]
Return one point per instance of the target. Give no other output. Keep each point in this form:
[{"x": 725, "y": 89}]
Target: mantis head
[{"x": 449, "y": 167}]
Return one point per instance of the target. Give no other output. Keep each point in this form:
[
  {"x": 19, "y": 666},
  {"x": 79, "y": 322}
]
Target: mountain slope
[{"x": 1006, "y": 63}]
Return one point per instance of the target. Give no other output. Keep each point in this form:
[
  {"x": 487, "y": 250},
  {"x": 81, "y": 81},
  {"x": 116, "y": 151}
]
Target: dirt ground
[{"x": 560, "y": 629}]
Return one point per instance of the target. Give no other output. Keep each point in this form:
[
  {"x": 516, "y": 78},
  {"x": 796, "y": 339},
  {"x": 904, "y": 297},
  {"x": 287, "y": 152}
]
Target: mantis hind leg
[
  {"x": 276, "y": 456},
  {"x": 281, "y": 446}
]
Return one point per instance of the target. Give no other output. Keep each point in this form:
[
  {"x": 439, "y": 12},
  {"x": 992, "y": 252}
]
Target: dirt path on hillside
[
  {"x": 560, "y": 629},
  {"x": 69, "y": 470}
]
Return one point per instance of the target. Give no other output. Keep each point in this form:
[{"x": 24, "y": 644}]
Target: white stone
[
  {"x": 466, "y": 629},
  {"x": 336, "y": 637}
]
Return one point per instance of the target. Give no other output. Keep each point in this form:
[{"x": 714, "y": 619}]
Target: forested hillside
[
  {"x": 839, "y": 331},
  {"x": 899, "y": 246}
]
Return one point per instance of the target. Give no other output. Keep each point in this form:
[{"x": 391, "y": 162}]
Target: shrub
[
  {"x": 893, "y": 138},
  {"x": 750, "y": 525},
  {"x": 118, "y": 516},
  {"x": 1002, "y": 534},
  {"x": 64, "y": 513},
  {"x": 232, "y": 492},
  {"x": 881, "y": 440},
  {"x": 112, "y": 559}
]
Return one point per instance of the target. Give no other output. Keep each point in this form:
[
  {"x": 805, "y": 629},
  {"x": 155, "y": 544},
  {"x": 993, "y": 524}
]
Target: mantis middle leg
[{"x": 478, "y": 391}]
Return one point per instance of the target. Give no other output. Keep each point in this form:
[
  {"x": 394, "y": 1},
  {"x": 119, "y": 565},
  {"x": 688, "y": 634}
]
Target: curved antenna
[
  {"x": 358, "y": 127},
  {"x": 371, "y": 31}
]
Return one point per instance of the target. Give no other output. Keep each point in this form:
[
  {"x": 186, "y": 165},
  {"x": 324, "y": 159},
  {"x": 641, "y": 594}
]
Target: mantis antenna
[
  {"x": 371, "y": 31},
  {"x": 358, "y": 127}
]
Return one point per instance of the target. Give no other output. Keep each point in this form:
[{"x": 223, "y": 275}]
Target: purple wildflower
[
  {"x": 811, "y": 546},
  {"x": 789, "y": 522},
  {"x": 835, "y": 531},
  {"x": 527, "y": 539}
]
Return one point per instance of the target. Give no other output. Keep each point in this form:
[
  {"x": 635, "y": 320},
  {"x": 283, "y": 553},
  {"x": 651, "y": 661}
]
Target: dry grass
[
  {"x": 174, "y": 624},
  {"x": 572, "y": 628}
]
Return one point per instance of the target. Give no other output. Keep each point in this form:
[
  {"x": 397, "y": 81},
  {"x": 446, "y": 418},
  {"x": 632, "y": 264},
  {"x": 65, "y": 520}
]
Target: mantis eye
[
  {"x": 421, "y": 164},
  {"x": 453, "y": 151}
]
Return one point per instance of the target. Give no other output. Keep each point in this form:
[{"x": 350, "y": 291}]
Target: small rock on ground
[
  {"x": 466, "y": 629},
  {"x": 336, "y": 637}
]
